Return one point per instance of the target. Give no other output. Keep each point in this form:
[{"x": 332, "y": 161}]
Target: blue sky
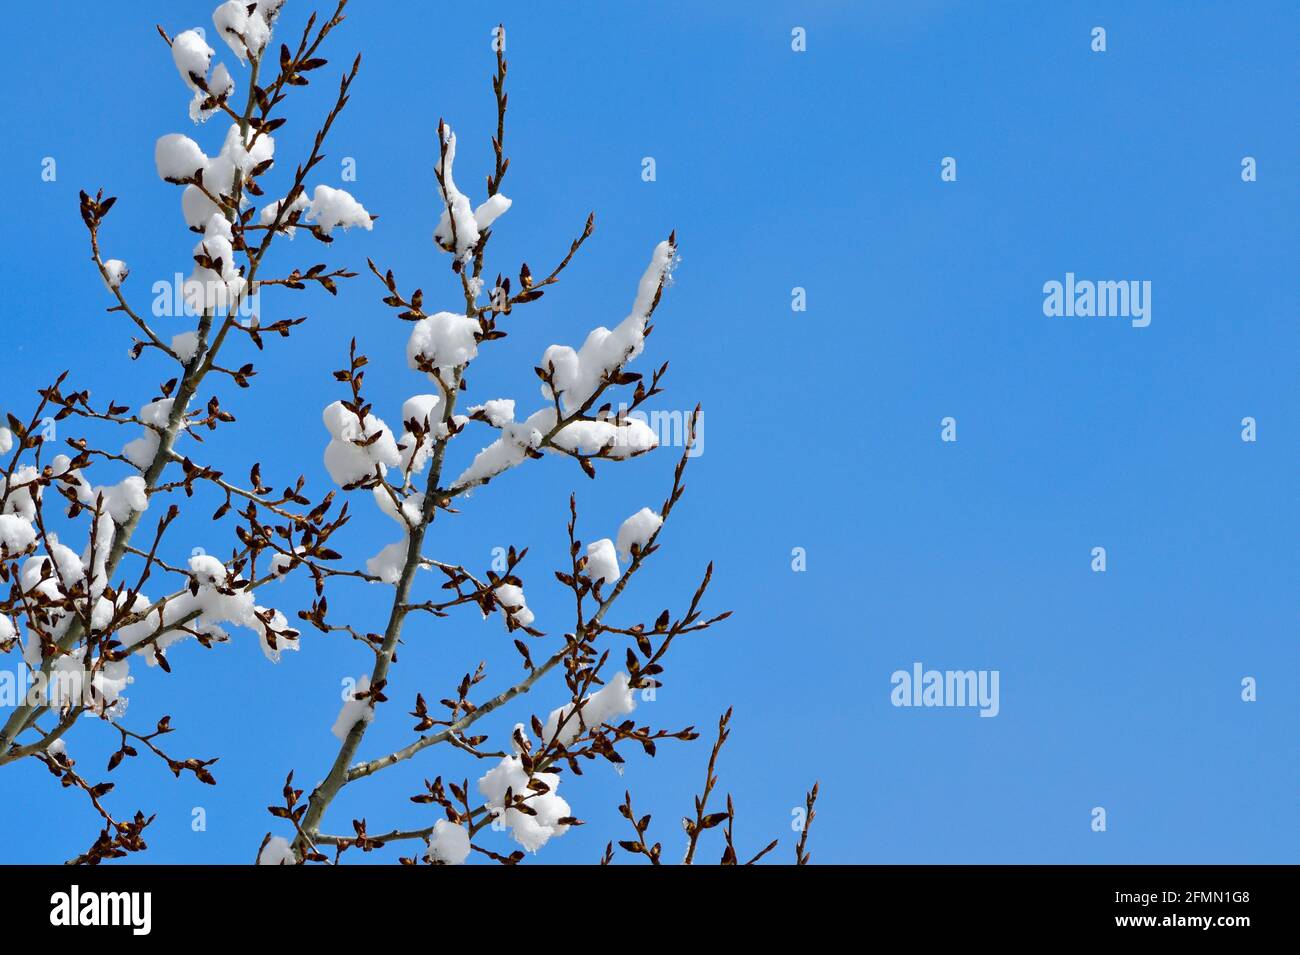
[{"x": 778, "y": 169}]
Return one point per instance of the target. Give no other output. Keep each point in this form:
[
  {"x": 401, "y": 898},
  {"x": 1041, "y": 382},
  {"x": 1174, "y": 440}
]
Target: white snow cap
[
  {"x": 220, "y": 84},
  {"x": 123, "y": 500},
  {"x": 415, "y": 452},
  {"x": 269, "y": 212},
  {"x": 186, "y": 345},
  {"x": 578, "y": 373},
  {"x": 22, "y": 501},
  {"x": 512, "y": 597},
  {"x": 443, "y": 340},
  {"x": 115, "y": 272},
  {"x": 448, "y": 843},
  {"x": 221, "y": 285},
  {"x": 388, "y": 563},
  {"x": 420, "y": 409},
  {"x": 498, "y": 411},
  {"x": 456, "y": 216},
  {"x": 412, "y": 505},
  {"x": 192, "y": 57},
  {"x": 602, "y": 562},
  {"x": 347, "y": 462},
  {"x": 637, "y": 530},
  {"x": 354, "y": 710},
  {"x": 631, "y": 438},
  {"x": 281, "y": 564},
  {"x": 244, "y": 32},
  {"x": 531, "y": 832},
  {"x": 509, "y": 449},
  {"x": 235, "y": 605},
  {"x": 276, "y": 852},
  {"x": 331, "y": 208},
  {"x": 141, "y": 451},
  {"x": 178, "y": 157},
  {"x": 16, "y": 536},
  {"x": 246, "y": 150},
  {"x": 613, "y": 699}
]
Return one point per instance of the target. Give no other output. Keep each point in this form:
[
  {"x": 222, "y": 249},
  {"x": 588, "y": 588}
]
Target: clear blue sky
[{"x": 778, "y": 169}]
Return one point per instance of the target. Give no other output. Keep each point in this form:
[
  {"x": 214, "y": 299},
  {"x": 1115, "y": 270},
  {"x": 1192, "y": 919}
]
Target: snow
[
  {"x": 197, "y": 208},
  {"x": 509, "y": 449},
  {"x": 448, "y": 843},
  {"x": 192, "y": 56},
  {"x": 281, "y": 564},
  {"x": 469, "y": 225},
  {"x": 602, "y": 562},
  {"x": 331, "y": 208},
  {"x": 637, "y": 531},
  {"x": 531, "y": 832},
  {"x": 67, "y": 681},
  {"x": 115, "y": 272},
  {"x": 443, "y": 340},
  {"x": 276, "y": 852},
  {"x": 16, "y": 536},
  {"x": 218, "y": 600},
  {"x": 633, "y": 437},
  {"x": 32, "y": 652},
  {"x": 511, "y": 598},
  {"x": 113, "y": 677},
  {"x": 215, "y": 289},
  {"x": 415, "y": 452},
  {"x": 420, "y": 409},
  {"x": 141, "y": 451},
  {"x": 412, "y": 505},
  {"x": 498, "y": 411},
  {"x": 348, "y": 462},
  {"x": 178, "y": 157},
  {"x": 220, "y": 84},
  {"x": 388, "y": 563},
  {"x": 578, "y": 374},
  {"x": 612, "y": 700},
  {"x": 67, "y": 566},
  {"x": 579, "y": 437},
  {"x": 243, "y": 153},
  {"x": 354, "y": 710},
  {"x": 22, "y": 501},
  {"x": 186, "y": 345},
  {"x": 156, "y": 413},
  {"x": 269, "y": 212},
  {"x": 245, "y": 32},
  {"x": 490, "y": 211},
  {"x": 208, "y": 570},
  {"x": 124, "y": 499},
  {"x": 283, "y": 642}
]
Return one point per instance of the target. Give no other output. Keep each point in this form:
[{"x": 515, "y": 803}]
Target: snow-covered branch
[{"x": 79, "y": 617}]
